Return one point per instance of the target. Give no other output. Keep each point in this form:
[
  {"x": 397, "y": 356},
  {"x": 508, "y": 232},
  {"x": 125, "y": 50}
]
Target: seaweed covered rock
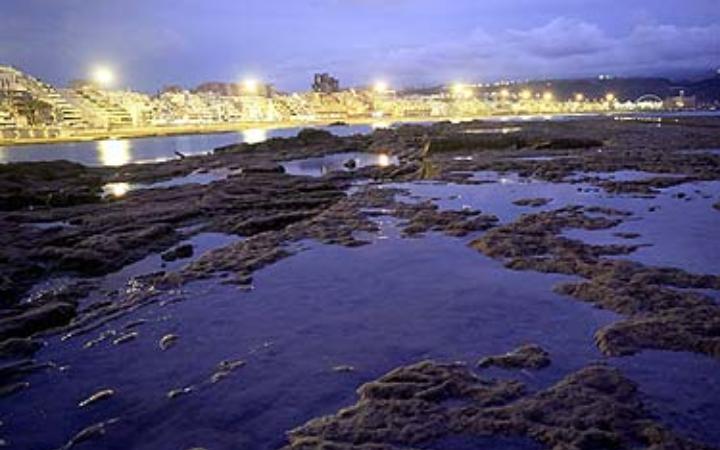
[
  {"x": 532, "y": 202},
  {"x": 47, "y": 184},
  {"x": 528, "y": 356},
  {"x": 418, "y": 405}
]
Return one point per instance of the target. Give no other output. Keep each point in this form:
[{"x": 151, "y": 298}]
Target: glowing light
[
  {"x": 381, "y": 87},
  {"x": 504, "y": 93},
  {"x": 254, "y": 135},
  {"x": 461, "y": 90},
  {"x": 383, "y": 160},
  {"x": 114, "y": 152},
  {"x": 116, "y": 189},
  {"x": 526, "y": 95},
  {"x": 548, "y": 96},
  {"x": 251, "y": 86},
  {"x": 610, "y": 97},
  {"x": 104, "y": 76},
  {"x": 579, "y": 97}
]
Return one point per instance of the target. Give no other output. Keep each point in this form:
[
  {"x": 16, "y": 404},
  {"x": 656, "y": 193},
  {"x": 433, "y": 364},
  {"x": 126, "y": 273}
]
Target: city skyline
[{"x": 407, "y": 43}]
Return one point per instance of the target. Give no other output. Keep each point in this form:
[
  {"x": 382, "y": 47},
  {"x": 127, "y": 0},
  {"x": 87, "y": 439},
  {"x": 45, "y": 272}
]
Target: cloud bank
[{"x": 563, "y": 47}]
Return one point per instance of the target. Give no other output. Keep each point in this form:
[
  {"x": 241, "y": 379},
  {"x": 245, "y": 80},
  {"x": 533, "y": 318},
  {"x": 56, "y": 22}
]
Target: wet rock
[
  {"x": 343, "y": 369},
  {"x": 264, "y": 168},
  {"x": 180, "y": 252},
  {"x": 532, "y": 202},
  {"x": 175, "y": 393},
  {"x": 425, "y": 217},
  {"x": 35, "y": 319},
  {"x": 92, "y": 432},
  {"x": 529, "y": 356},
  {"x": 717, "y": 206},
  {"x": 627, "y": 235},
  {"x": 417, "y": 405},
  {"x": 168, "y": 341},
  {"x": 225, "y": 368},
  {"x": 12, "y": 375},
  {"x": 50, "y": 183},
  {"x": 309, "y": 135},
  {"x": 19, "y": 347},
  {"x": 125, "y": 338},
  {"x": 649, "y": 186},
  {"x": 96, "y": 397},
  {"x": 10, "y": 388},
  {"x": 462, "y": 143},
  {"x": 134, "y": 324},
  {"x": 105, "y": 335},
  {"x": 350, "y": 164},
  {"x": 569, "y": 143}
]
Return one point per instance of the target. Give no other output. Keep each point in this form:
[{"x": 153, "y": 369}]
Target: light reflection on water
[
  {"x": 255, "y": 135},
  {"x": 114, "y": 152},
  {"x": 116, "y": 189}
]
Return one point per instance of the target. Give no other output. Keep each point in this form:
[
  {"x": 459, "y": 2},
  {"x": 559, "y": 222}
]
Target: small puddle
[{"x": 317, "y": 167}]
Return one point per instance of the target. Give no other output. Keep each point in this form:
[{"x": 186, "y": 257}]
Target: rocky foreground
[{"x": 56, "y": 222}]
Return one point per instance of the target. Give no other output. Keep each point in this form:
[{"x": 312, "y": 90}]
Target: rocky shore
[
  {"x": 61, "y": 234},
  {"x": 426, "y": 403}
]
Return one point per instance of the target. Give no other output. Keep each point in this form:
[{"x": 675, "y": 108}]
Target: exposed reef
[
  {"x": 661, "y": 312},
  {"x": 415, "y": 406}
]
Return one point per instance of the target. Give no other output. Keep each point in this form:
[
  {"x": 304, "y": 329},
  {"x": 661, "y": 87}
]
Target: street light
[
  {"x": 251, "y": 86},
  {"x": 381, "y": 87},
  {"x": 579, "y": 98},
  {"x": 460, "y": 90},
  {"x": 526, "y": 94},
  {"x": 103, "y": 76},
  {"x": 548, "y": 96},
  {"x": 610, "y": 97}
]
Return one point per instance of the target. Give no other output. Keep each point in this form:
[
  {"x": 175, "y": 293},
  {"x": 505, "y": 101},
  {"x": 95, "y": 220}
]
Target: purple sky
[{"x": 151, "y": 43}]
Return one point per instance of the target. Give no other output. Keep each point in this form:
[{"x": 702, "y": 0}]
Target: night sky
[{"x": 151, "y": 43}]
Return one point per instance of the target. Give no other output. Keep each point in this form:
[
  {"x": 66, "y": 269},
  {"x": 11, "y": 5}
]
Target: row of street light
[{"x": 104, "y": 76}]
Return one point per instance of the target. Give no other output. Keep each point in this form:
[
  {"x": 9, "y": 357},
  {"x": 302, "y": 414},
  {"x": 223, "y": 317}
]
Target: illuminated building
[{"x": 325, "y": 84}]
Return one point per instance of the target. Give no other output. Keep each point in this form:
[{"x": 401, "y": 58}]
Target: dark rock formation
[
  {"x": 532, "y": 202},
  {"x": 180, "y": 252},
  {"x": 528, "y": 356}
]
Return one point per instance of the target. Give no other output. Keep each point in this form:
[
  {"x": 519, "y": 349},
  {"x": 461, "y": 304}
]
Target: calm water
[
  {"x": 116, "y": 152},
  {"x": 394, "y": 302}
]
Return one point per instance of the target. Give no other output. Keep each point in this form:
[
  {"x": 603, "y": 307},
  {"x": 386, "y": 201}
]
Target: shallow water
[
  {"x": 394, "y": 302},
  {"x": 374, "y": 308},
  {"x": 317, "y": 167},
  {"x": 682, "y": 389},
  {"x": 682, "y": 233}
]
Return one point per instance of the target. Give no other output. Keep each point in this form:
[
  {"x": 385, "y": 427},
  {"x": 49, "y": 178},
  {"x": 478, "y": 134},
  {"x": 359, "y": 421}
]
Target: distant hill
[{"x": 707, "y": 90}]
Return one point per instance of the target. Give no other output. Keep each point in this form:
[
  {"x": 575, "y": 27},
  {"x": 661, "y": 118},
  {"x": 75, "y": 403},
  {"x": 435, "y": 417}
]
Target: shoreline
[
  {"x": 147, "y": 132},
  {"x": 237, "y": 127}
]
